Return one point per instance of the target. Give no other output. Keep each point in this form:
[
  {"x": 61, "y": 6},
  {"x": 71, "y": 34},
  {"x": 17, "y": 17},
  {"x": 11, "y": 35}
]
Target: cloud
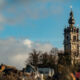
[
  {"x": 1, "y": 28},
  {"x": 15, "y": 52},
  {"x": 28, "y": 43},
  {"x": 17, "y": 11},
  {"x": 42, "y": 46},
  {"x": 2, "y": 19}
]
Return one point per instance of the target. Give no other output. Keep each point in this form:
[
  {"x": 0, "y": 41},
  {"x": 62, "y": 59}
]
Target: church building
[
  {"x": 71, "y": 43},
  {"x": 71, "y": 39}
]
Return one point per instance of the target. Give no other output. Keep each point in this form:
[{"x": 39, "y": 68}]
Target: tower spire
[{"x": 71, "y": 19}]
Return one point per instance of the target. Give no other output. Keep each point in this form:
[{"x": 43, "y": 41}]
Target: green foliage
[{"x": 44, "y": 59}]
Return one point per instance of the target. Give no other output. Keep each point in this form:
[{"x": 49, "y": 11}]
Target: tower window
[
  {"x": 67, "y": 37},
  {"x": 74, "y": 38}
]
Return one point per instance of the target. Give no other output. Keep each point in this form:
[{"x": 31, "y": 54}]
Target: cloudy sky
[{"x": 28, "y": 24}]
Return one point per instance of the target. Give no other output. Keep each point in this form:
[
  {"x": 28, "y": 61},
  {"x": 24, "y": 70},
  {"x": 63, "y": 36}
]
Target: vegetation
[
  {"x": 11, "y": 76},
  {"x": 63, "y": 70},
  {"x": 34, "y": 58},
  {"x": 43, "y": 59}
]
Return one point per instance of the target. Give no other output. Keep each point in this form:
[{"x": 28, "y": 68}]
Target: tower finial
[
  {"x": 71, "y": 19},
  {"x": 71, "y": 7},
  {"x": 71, "y": 13}
]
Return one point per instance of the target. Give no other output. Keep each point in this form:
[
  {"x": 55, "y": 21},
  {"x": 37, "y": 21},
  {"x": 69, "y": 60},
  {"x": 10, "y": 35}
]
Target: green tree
[{"x": 34, "y": 58}]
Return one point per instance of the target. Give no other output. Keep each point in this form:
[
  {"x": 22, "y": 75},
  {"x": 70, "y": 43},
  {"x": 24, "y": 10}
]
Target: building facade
[{"x": 71, "y": 39}]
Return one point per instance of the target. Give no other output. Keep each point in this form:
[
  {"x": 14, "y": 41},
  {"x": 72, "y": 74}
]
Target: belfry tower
[{"x": 71, "y": 39}]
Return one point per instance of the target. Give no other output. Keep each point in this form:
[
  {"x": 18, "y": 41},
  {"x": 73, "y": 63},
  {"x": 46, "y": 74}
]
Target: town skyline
[
  {"x": 25, "y": 25},
  {"x": 28, "y": 26}
]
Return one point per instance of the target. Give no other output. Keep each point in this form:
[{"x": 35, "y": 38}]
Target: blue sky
[
  {"x": 28, "y": 24},
  {"x": 38, "y": 20}
]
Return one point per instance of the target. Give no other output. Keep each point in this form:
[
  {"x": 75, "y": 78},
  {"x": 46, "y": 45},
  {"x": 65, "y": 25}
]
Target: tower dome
[{"x": 71, "y": 19}]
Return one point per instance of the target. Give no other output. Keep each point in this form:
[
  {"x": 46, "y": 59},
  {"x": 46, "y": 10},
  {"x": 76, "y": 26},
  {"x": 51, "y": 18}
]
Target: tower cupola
[{"x": 71, "y": 19}]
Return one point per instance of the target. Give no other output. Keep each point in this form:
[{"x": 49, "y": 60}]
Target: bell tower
[{"x": 71, "y": 39}]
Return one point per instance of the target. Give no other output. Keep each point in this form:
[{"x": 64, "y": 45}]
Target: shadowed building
[
  {"x": 71, "y": 44},
  {"x": 71, "y": 40},
  {"x": 70, "y": 56}
]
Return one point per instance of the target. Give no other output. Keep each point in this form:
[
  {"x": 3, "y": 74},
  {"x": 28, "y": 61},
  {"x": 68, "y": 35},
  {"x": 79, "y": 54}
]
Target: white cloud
[
  {"x": 15, "y": 52},
  {"x": 2, "y": 2},
  {"x": 43, "y": 46},
  {"x": 28, "y": 43},
  {"x": 19, "y": 60},
  {"x": 2, "y": 19},
  {"x": 16, "y": 11}
]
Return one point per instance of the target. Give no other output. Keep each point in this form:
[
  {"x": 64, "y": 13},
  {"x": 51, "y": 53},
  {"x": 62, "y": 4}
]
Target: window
[
  {"x": 74, "y": 38},
  {"x": 67, "y": 37}
]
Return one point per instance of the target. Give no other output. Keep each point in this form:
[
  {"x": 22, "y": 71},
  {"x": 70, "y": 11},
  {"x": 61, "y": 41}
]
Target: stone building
[
  {"x": 71, "y": 40},
  {"x": 71, "y": 43}
]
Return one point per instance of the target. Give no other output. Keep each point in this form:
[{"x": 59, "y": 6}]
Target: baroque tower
[{"x": 71, "y": 39}]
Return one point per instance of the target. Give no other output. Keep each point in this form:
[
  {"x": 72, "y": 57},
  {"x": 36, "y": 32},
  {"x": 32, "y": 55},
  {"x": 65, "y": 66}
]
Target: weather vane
[{"x": 71, "y": 6}]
